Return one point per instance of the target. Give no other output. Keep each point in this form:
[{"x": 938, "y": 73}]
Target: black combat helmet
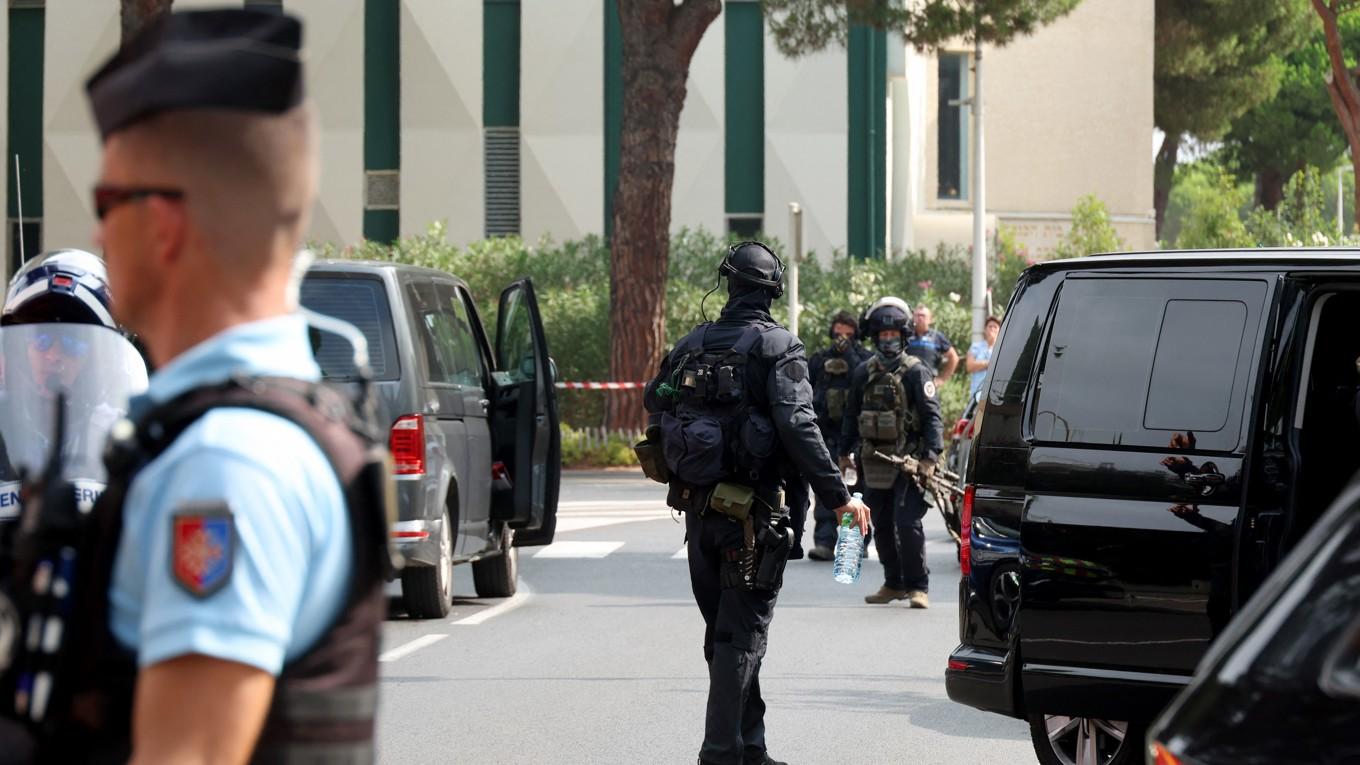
[
  {"x": 887, "y": 313},
  {"x": 60, "y": 286},
  {"x": 753, "y": 264}
]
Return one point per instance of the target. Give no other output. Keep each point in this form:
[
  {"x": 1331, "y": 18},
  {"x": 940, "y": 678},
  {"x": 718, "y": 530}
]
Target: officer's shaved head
[{"x": 249, "y": 179}]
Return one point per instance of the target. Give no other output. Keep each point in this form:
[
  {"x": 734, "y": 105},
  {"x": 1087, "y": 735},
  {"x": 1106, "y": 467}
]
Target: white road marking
[
  {"x": 578, "y": 549},
  {"x": 567, "y": 523},
  {"x": 406, "y": 649},
  {"x": 682, "y": 555},
  {"x": 607, "y": 504},
  {"x": 520, "y": 597}
]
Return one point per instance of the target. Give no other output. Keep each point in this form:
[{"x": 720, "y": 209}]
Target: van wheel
[
  {"x": 498, "y": 575},
  {"x": 1060, "y": 740},
  {"x": 428, "y": 590}
]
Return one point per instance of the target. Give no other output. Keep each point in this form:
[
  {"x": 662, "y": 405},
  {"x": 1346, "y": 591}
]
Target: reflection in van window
[
  {"x": 363, "y": 303},
  {"x": 1192, "y": 377},
  {"x": 1129, "y": 362}
]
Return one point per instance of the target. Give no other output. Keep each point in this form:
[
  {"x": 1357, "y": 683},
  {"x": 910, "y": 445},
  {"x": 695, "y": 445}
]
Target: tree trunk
[
  {"x": 136, "y": 14},
  {"x": 1341, "y": 85},
  {"x": 659, "y": 38},
  {"x": 1270, "y": 187},
  {"x": 1164, "y": 172}
]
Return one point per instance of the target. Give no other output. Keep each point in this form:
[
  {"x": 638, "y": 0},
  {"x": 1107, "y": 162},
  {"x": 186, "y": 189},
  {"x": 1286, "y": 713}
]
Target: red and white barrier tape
[{"x": 602, "y": 385}]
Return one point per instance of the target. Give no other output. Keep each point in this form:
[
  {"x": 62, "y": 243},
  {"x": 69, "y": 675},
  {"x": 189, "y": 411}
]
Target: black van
[{"x": 1158, "y": 430}]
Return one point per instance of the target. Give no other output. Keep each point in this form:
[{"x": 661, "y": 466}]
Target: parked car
[
  {"x": 474, "y": 426},
  {"x": 1282, "y": 683},
  {"x": 961, "y": 438},
  {"x": 1157, "y": 431}
]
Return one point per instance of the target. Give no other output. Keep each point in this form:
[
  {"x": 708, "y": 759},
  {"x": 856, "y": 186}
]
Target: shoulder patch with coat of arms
[
  {"x": 202, "y": 545},
  {"x": 929, "y": 388}
]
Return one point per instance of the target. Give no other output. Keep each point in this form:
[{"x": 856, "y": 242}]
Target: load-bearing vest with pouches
[
  {"x": 713, "y": 432},
  {"x": 324, "y": 705},
  {"x": 836, "y": 370},
  {"x": 887, "y": 421}
]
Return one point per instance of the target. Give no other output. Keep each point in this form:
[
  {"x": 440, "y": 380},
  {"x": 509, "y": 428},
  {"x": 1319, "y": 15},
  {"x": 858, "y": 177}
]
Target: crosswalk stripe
[{"x": 578, "y": 549}]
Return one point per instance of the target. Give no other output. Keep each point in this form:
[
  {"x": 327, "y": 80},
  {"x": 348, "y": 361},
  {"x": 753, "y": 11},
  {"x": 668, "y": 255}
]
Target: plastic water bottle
[
  {"x": 850, "y": 476},
  {"x": 849, "y": 546}
]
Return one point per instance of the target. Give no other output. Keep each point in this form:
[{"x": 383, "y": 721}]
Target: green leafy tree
[
  {"x": 1295, "y": 129},
  {"x": 804, "y": 26},
  {"x": 1207, "y": 205},
  {"x": 1091, "y": 231},
  {"x": 1343, "y": 82},
  {"x": 1215, "y": 60}
]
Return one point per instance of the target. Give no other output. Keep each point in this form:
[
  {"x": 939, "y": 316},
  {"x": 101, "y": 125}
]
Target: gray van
[{"x": 474, "y": 425}]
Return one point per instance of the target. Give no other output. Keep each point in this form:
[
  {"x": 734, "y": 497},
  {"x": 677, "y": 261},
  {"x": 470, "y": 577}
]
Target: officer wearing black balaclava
[
  {"x": 892, "y": 410},
  {"x": 730, "y": 404},
  {"x": 831, "y": 369}
]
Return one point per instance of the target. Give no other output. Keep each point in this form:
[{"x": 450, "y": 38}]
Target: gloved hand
[{"x": 925, "y": 470}]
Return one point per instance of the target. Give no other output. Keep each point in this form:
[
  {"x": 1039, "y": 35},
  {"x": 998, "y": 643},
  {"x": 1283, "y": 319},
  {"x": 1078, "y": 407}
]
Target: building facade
[{"x": 502, "y": 117}]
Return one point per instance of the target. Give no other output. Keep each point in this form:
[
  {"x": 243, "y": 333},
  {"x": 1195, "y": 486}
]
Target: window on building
[
  {"x": 952, "y": 138},
  {"x": 501, "y": 145},
  {"x": 1133, "y": 362},
  {"x": 748, "y": 226}
]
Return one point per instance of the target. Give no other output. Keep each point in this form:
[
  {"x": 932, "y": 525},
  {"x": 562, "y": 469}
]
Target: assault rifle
[{"x": 945, "y": 485}]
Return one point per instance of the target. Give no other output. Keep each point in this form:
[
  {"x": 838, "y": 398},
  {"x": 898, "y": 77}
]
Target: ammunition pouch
[
  {"x": 835, "y": 404},
  {"x": 733, "y": 500},
  {"x": 882, "y": 426},
  {"x": 652, "y": 457},
  {"x": 878, "y": 473},
  {"x": 694, "y": 448}
]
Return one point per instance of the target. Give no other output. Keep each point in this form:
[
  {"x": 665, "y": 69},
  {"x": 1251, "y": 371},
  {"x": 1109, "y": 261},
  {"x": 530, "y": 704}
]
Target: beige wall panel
[
  {"x": 333, "y": 43},
  {"x": 1069, "y": 112},
  {"x": 80, "y": 36},
  {"x": 697, "y": 199},
  {"x": 562, "y": 118},
  {"x": 805, "y": 146},
  {"x": 442, "y": 174}
]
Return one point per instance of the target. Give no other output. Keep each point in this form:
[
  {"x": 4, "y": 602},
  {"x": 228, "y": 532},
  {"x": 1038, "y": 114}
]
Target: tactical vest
[
  {"x": 836, "y": 373},
  {"x": 713, "y": 433},
  {"x": 325, "y": 701},
  {"x": 886, "y": 422}
]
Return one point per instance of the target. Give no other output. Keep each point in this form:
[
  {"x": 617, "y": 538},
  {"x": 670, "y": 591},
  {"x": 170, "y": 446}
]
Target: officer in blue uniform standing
[
  {"x": 831, "y": 370},
  {"x": 237, "y": 578},
  {"x": 732, "y": 403}
]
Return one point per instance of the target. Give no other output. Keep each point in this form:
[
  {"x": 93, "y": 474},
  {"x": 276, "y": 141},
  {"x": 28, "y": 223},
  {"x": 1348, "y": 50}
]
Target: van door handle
[
  {"x": 486, "y": 406},
  {"x": 1207, "y": 481}
]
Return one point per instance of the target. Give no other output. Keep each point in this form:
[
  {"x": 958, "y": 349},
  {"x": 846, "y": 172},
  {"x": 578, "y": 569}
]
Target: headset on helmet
[
  {"x": 870, "y": 326},
  {"x": 60, "y": 286},
  {"x": 769, "y": 276}
]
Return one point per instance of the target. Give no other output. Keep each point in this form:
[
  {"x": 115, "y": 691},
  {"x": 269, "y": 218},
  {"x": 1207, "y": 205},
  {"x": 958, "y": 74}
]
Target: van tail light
[
  {"x": 966, "y": 531},
  {"x": 1160, "y": 755},
  {"x": 960, "y": 427},
  {"x": 407, "y": 442}
]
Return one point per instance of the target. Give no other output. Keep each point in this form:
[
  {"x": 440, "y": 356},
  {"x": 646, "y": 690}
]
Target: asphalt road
[{"x": 599, "y": 658}]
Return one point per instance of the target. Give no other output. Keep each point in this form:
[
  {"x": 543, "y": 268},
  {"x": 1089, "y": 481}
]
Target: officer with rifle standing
[
  {"x": 893, "y": 414},
  {"x": 232, "y": 571},
  {"x": 730, "y": 403}
]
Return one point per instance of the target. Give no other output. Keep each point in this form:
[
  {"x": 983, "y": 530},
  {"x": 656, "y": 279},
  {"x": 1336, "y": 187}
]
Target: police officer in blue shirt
[
  {"x": 240, "y": 559},
  {"x": 931, "y": 346}
]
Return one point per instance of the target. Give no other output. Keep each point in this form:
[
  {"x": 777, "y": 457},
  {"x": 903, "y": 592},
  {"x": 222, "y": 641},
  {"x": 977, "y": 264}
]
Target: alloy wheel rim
[{"x": 1085, "y": 740}]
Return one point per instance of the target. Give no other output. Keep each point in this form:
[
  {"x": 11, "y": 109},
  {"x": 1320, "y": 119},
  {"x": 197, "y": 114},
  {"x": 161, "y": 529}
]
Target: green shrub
[
  {"x": 579, "y": 451},
  {"x": 1091, "y": 231}
]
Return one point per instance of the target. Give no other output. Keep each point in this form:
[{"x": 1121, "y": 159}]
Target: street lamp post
[
  {"x": 796, "y": 235},
  {"x": 979, "y": 201}
]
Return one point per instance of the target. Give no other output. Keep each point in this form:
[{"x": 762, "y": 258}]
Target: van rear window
[
  {"x": 363, "y": 303},
  {"x": 1137, "y": 362}
]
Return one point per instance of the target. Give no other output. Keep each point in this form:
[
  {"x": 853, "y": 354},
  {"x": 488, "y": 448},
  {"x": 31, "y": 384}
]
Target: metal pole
[
  {"x": 979, "y": 202},
  {"x": 796, "y": 237}
]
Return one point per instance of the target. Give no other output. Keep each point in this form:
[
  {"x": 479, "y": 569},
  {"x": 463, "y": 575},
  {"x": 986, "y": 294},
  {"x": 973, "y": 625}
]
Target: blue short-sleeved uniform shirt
[
  {"x": 236, "y": 539},
  {"x": 930, "y": 348},
  {"x": 981, "y": 352}
]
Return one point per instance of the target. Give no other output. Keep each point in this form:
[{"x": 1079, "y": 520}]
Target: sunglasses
[
  {"x": 107, "y": 197},
  {"x": 70, "y": 346}
]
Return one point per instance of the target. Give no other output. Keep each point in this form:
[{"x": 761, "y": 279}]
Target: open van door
[{"x": 524, "y": 419}]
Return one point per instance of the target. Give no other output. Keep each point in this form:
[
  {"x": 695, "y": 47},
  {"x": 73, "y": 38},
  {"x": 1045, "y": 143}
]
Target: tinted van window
[
  {"x": 1133, "y": 361},
  {"x": 363, "y": 303}
]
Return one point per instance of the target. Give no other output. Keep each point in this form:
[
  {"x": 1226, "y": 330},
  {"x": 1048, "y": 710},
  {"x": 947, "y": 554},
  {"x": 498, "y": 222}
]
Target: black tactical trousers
[
  {"x": 899, "y": 536},
  {"x": 735, "y": 625}
]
